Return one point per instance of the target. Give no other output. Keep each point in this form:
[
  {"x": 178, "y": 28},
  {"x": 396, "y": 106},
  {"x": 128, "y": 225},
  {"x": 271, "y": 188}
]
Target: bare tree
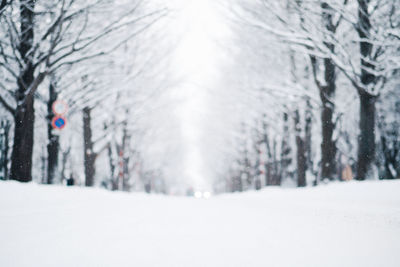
[
  {"x": 327, "y": 31},
  {"x": 32, "y": 51}
]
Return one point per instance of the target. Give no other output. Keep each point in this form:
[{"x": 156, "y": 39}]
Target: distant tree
[
  {"x": 5, "y": 127},
  {"x": 389, "y": 132},
  {"x": 358, "y": 40}
]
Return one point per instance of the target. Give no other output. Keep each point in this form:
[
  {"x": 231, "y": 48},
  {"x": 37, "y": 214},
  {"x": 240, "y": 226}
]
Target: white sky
[{"x": 197, "y": 61}]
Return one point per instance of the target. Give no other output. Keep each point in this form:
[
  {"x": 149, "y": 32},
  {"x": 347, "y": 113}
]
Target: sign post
[{"x": 59, "y": 109}]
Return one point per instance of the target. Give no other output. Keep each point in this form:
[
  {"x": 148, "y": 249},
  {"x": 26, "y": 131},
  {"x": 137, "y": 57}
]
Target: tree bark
[
  {"x": 125, "y": 159},
  {"x": 286, "y": 151},
  {"x": 269, "y": 162},
  {"x": 21, "y": 157},
  {"x": 113, "y": 179},
  {"x": 390, "y": 158},
  {"x": 277, "y": 174},
  {"x": 328, "y": 145},
  {"x": 4, "y": 147},
  {"x": 301, "y": 152},
  {"x": 326, "y": 93},
  {"x": 89, "y": 155},
  {"x": 308, "y": 141},
  {"x": 64, "y": 159},
  {"x": 366, "y": 140}
]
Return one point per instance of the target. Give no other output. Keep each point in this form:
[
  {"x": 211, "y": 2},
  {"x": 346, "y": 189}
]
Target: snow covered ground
[{"x": 352, "y": 224}]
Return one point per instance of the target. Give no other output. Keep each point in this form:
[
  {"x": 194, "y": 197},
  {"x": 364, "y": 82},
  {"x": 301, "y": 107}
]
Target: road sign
[
  {"x": 60, "y": 107},
  {"x": 58, "y": 122}
]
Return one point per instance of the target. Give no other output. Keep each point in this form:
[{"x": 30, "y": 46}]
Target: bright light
[
  {"x": 198, "y": 194},
  {"x": 206, "y": 195}
]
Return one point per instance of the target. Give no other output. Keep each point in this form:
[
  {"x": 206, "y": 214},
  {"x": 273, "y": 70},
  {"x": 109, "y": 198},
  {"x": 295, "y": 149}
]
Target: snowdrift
[{"x": 341, "y": 224}]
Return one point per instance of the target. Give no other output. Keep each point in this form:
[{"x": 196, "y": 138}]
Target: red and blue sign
[
  {"x": 59, "y": 109},
  {"x": 58, "y": 122}
]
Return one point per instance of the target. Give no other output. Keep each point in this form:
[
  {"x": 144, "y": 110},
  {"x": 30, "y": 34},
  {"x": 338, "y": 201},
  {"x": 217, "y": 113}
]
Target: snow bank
[{"x": 352, "y": 224}]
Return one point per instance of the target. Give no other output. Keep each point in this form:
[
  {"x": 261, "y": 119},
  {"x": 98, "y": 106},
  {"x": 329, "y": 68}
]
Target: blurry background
[{"x": 183, "y": 96}]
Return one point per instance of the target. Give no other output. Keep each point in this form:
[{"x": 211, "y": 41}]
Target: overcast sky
[{"x": 198, "y": 60}]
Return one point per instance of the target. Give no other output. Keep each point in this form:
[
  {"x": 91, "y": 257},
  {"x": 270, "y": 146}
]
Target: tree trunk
[
  {"x": 21, "y": 157},
  {"x": 308, "y": 142},
  {"x": 64, "y": 159},
  {"x": 268, "y": 173},
  {"x": 286, "y": 151},
  {"x": 248, "y": 178},
  {"x": 125, "y": 159},
  {"x": 308, "y": 135},
  {"x": 366, "y": 140},
  {"x": 389, "y": 158},
  {"x": 238, "y": 184},
  {"x": 89, "y": 155},
  {"x": 276, "y": 176},
  {"x": 328, "y": 146},
  {"x": 53, "y": 140},
  {"x": 5, "y": 127},
  {"x": 6, "y": 148},
  {"x": 301, "y": 152},
  {"x": 90, "y": 170},
  {"x": 113, "y": 179},
  {"x": 269, "y": 162},
  {"x": 327, "y": 92}
]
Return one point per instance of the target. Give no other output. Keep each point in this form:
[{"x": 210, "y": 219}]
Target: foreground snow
[{"x": 353, "y": 224}]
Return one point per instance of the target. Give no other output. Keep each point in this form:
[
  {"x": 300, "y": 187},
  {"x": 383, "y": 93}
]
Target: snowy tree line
[
  {"x": 106, "y": 60},
  {"x": 321, "y": 83},
  {"x": 310, "y": 92}
]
